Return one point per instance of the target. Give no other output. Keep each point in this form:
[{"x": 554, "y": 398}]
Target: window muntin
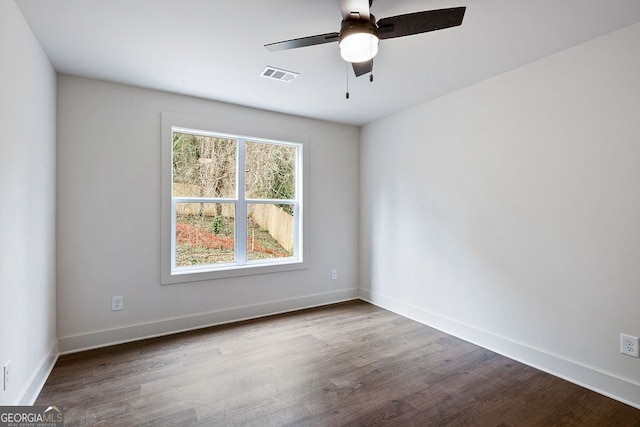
[{"x": 214, "y": 209}]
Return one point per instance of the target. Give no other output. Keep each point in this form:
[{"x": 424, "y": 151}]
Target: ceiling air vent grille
[{"x": 278, "y": 74}]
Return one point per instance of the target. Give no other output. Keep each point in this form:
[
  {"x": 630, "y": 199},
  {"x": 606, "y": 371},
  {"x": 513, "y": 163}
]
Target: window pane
[
  {"x": 270, "y": 232},
  {"x": 205, "y": 233},
  {"x": 270, "y": 171},
  {"x": 203, "y": 166}
]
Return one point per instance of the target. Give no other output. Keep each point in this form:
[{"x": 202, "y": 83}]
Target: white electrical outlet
[
  {"x": 117, "y": 303},
  {"x": 629, "y": 345},
  {"x": 6, "y": 375},
  {"x": 334, "y": 274}
]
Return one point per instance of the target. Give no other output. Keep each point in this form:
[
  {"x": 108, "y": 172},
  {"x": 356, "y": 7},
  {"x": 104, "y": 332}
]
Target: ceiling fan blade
[
  {"x": 360, "y": 68},
  {"x": 420, "y": 22},
  {"x": 303, "y": 41},
  {"x": 347, "y": 7}
]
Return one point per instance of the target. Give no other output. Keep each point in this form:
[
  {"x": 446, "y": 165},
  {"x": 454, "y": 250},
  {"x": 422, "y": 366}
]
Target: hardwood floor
[{"x": 349, "y": 364}]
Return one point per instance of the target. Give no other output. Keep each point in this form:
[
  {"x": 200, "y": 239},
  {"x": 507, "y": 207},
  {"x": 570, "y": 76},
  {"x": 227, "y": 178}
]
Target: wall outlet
[
  {"x": 6, "y": 375},
  {"x": 117, "y": 303},
  {"x": 629, "y": 345},
  {"x": 334, "y": 274}
]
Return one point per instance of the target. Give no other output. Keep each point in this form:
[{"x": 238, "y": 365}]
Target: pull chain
[{"x": 347, "y": 94}]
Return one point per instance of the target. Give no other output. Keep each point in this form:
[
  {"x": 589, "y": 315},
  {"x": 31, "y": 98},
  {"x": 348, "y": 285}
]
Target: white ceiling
[{"x": 214, "y": 48}]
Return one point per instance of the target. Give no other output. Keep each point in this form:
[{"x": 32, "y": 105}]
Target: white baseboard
[
  {"x": 35, "y": 383},
  {"x": 72, "y": 344},
  {"x": 590, "y": 378}
]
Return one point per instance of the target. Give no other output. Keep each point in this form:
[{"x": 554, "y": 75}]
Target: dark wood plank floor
[{"x": 350, "y": 364}]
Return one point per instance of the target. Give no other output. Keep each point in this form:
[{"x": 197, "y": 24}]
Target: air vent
[{"x": 278, "y": 74}]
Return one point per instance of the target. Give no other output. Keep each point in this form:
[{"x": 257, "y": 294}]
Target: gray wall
[
  {"x": 508, "y": 213},
  {"x": 27, "y": 208},
  {"x": 109, "y": 194}
]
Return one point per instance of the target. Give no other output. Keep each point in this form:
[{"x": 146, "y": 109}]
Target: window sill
[{"x": 196, "y": 274}]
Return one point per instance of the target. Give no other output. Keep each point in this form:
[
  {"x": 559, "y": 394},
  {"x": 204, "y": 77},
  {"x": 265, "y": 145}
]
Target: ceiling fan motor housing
[{"x": 358, "y": 39}]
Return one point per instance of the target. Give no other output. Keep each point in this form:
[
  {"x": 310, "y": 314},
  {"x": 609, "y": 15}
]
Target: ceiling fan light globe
[{"x": 359, "y": 46}]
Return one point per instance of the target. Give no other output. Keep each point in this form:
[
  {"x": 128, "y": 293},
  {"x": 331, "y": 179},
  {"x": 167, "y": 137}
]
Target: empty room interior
[{"x": 468, "y": 188}]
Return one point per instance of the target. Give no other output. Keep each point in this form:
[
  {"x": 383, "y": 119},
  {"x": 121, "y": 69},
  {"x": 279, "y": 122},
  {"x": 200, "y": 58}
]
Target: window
[{"x": 233, "y": 202}]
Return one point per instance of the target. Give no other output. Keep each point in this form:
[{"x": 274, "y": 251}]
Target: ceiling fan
[{"x": 360, "y": 33}]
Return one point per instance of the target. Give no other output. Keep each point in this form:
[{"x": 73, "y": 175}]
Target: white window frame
[{"x": 170, "y": 274}]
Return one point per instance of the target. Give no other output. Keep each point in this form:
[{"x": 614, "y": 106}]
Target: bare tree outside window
[{"x": 270, "y": 172}]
